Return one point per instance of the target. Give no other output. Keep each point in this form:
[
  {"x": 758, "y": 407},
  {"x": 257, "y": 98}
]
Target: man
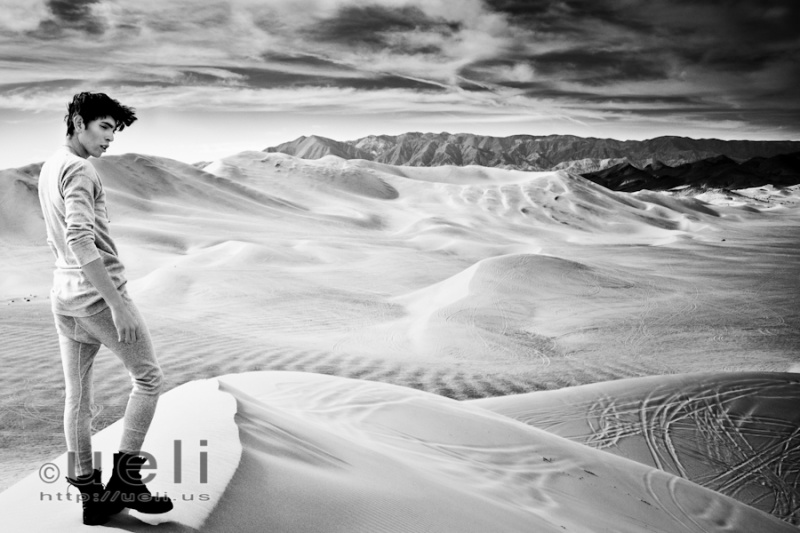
[{"x": 91, "y": 307}]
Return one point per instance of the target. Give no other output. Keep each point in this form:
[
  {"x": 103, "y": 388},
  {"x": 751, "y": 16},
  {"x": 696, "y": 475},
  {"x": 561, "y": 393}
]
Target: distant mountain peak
[
  {"x": 317, "y": 147},
  {"x": 656, "y": 165}
]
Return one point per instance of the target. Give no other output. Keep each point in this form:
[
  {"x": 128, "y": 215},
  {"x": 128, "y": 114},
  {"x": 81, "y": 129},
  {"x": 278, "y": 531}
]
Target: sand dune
[
  {"x": 466, "y": 282},
  {"x": 320, "y": 453},
  {"x": 526, "y": 296},
  {"x": 20, "y": 217}
]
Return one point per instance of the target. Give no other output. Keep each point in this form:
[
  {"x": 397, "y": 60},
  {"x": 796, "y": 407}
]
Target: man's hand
[{"x": 126, "y": 324}]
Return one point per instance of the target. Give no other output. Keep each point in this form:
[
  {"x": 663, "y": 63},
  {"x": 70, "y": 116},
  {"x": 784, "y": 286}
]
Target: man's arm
[
  {"x": 78, "y": 189},
  {"x": 126, "y": 324}
]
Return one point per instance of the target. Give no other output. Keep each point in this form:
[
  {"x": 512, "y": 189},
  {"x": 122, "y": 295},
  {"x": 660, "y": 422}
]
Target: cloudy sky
[{"x": 211, "y": 78}]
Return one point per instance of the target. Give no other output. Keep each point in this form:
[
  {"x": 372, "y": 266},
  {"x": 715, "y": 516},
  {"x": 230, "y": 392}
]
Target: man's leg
[
  {"x": 140, "y": 360},
  {"x": 77, "y": 360},
  {"x": 78, "y": 350},
  {"x": 125, "y": 488}
]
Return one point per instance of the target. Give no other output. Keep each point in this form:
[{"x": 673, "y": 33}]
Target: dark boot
[
  {"x": 126, "y": 489},
  {"x": 94, "y": 510}
]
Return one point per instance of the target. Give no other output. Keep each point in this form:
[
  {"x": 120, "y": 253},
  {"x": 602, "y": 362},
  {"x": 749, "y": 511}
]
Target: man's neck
[{"x": 76, "y": 147}]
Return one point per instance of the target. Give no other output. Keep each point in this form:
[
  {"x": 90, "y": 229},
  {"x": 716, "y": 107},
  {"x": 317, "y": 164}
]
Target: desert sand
[{"x": 460, "y": 282}]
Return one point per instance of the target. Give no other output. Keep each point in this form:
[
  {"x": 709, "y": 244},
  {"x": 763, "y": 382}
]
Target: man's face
[{"x": 97, "y": 135}]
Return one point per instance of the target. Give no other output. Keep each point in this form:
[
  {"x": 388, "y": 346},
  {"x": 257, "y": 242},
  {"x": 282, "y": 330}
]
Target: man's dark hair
[{"x": 91, "y": 106}]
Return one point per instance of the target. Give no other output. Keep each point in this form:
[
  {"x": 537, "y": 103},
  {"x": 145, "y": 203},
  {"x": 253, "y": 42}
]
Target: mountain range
[
  {"x": 718, "y": 172},
  {"x": 531, "y": 153}
]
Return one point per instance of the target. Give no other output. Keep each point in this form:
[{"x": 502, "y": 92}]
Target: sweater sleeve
[{"x": 79, "y": 193}]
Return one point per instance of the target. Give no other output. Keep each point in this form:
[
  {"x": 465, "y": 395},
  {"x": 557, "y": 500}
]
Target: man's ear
[{"x": 77, "y": 121}]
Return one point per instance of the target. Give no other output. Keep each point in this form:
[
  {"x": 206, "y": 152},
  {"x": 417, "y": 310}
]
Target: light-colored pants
[{"x": 80, "y": 339}]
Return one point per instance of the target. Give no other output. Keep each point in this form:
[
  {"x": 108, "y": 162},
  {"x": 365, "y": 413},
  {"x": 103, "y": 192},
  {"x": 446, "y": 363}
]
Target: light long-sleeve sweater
[{"x": 74, "y": 207}]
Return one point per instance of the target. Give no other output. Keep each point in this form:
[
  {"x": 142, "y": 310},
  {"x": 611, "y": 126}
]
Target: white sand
[{"x": 466, "y": 282}]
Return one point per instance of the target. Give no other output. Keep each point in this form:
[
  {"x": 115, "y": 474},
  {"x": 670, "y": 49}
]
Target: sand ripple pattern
[
  {"x": 741, "y": 451},
  {"x": 738, "y": 434}
]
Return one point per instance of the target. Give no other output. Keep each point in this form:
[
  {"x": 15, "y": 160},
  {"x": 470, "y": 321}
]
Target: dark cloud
[
  {"x": 544, "y": 90},
  {"x": 472, "y": 86},
  {"x": 735, "y": 33},
  {"x": 70, "y": 14},
  {"x": 734, "y": 57},
  {"x": 25, "y": 60},
  {"x": 598, "y": 67},
  {"x": 724, "y": 57},
  {"x": 764, "y": 23},
  {"x": 589, "y": 67},
  {"x": 71, "y": 11},
  {"x": 770, "y": 19},
  {"x": 305, "y": 61},
  {"x": 483, "y": 66},
  {"x": 374, "y": 26},
  {"x": 570, "y": 17},
  {"x": 521, "y": 8}
]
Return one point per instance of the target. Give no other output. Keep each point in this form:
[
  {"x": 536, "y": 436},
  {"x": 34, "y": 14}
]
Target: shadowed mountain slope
[{"x": 718, "y": 172}]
